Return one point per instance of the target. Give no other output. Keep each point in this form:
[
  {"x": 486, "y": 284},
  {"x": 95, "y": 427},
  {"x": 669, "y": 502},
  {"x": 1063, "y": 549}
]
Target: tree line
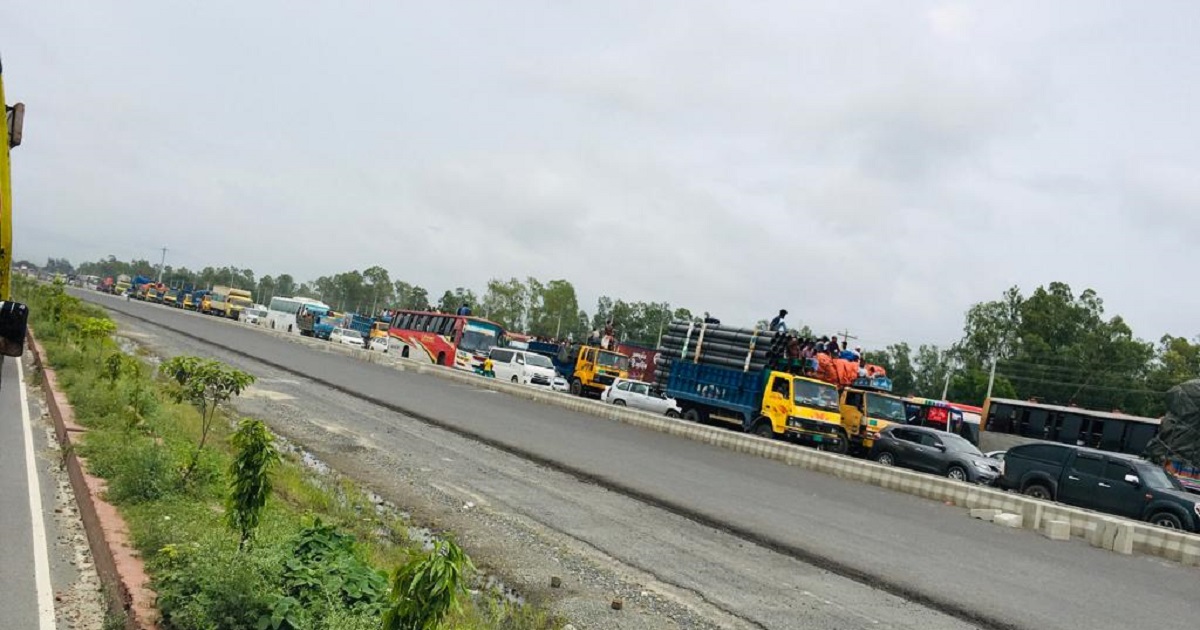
[{"x": 1052, "y": 345}]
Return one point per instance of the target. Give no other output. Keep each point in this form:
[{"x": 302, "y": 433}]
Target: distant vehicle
[
  {"x": 1007, "y": 423},
  {"x": 281, "y": 313},
  {"x": 560, "y": 384},
  {"x": 522, "y": 366},
  {"x": 640, "y": 395},
  {"x": 933, "y": 451},
  {"x": 255, "y": 316},
  {"x": 347, "y": 337},
  {"x": 379, "y": 344},
  {"x": 588, "y": 369},
  {"x": 459, "y": 341},
  {"x": 313, "y": 320},
  {"x": 1097, "y": 480}
]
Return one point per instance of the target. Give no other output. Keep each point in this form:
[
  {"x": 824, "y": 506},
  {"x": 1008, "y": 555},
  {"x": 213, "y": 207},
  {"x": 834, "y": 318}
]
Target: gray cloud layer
[{"x": 876, "y": 165}]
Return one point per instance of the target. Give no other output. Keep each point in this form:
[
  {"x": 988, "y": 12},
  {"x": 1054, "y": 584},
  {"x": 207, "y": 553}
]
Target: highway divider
[{"x": 1101, "y": 530}]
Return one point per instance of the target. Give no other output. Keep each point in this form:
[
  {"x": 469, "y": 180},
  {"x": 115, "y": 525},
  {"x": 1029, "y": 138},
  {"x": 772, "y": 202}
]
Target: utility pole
[
  {"x": 162, "y": 264},
  {"x": 991, "y": 379},
  {"x": 846, "y": 337},
  {"x": 946, "y": 387}
]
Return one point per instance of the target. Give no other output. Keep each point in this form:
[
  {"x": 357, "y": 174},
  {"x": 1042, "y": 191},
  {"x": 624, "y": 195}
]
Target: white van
[{"x": 522, "y": 366}]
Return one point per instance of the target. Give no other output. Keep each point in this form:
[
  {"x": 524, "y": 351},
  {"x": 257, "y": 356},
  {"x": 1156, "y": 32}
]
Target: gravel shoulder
[{"x": 527, "y": 524}]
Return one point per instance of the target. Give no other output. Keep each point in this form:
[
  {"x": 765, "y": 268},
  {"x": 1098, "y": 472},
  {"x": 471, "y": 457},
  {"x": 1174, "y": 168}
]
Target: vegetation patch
[{"x": 234, "y": 532}]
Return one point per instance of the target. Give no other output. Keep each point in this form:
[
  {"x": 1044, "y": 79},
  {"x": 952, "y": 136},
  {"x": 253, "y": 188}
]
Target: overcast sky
[{"x": 872, "y": 165}]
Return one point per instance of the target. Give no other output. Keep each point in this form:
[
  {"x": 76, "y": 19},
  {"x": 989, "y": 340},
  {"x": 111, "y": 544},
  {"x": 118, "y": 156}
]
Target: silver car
[{"x": 638, "y": 395}]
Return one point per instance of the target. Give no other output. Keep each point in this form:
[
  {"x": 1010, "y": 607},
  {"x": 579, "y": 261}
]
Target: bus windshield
[
  {"x": 613, "y": 360},
  {"x": 478, "y": 338},
  {"x": 816, "y": 395},
  {"x": 885, "y": 408},
  {"x": 537, "y": 360}
]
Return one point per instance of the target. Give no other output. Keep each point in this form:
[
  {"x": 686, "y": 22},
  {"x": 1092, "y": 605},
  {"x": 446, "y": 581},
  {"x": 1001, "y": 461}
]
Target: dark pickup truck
[{"x": 1098, "y": 480}]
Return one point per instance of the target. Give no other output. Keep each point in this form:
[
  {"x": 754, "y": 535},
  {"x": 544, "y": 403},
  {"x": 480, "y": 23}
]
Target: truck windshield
[
  {"x": 816, "y": 395},
  {"x": 614, "y": 360},
  {"x": 885, "y": 408},
  {"x": 1158, "y": 478}
]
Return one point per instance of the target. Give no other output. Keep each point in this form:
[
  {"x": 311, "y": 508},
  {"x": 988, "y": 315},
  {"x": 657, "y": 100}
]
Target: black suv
[
  {"x": 933, "y": 451},
  {"x": 1098, "y": 480}
]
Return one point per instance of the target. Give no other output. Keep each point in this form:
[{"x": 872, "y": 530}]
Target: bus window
[
  {"x": 1138, "y": 437},
  {"x": 448, "y": 327},
  {"x": 406, "y": 321},
  {"x": 1114, "y": 435},
  {"x": 1090, "y": 435},
  {"x": 1033, "y": 423},
  {"x": 1069, "y": 431},
  {"x": 1000, "y": 418}
]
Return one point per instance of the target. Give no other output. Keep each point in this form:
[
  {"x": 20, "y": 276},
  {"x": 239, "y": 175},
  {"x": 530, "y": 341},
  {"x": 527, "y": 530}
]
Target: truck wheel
[
  {"x": 576, "y": 387},
  {"x": 841, "y": 448},
  {"x": 1038, "y": 491},
  {"x": 1167, "y": 520},
  {"x": 763, "y": 429},
  {"x": 692, "y": 415}
]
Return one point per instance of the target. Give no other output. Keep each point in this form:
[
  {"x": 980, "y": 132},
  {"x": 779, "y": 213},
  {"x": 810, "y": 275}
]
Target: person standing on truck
[
  {"x": 832, "y": 347},
  {"x": 465, "y": 309},
  {"x": 778, "y": 324}
]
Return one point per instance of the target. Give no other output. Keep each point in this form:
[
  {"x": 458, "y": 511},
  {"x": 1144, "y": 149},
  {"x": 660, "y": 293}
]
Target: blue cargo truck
[{"x": 765, "y": 402}]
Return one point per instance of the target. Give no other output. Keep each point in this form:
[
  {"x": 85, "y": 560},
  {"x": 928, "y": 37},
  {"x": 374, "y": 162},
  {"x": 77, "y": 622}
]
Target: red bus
[{"x": 459, "y": 341}]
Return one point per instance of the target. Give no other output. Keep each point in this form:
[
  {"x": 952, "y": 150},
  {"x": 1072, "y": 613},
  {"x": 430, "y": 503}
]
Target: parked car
[
  {"x": 628, "y": 393},
  {"x": 559, "y": 384},
  {"x": 346, "y": 336},
  {"x": 522, "y": 366},
  {"x": 933, "y": 451},
  {"x": 1098, "y": 480},
  {"x": 379, "y": 344}
]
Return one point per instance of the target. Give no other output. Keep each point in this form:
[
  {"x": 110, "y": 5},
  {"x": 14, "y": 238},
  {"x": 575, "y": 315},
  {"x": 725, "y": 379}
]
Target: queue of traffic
[{"x": 744, "y": 378}]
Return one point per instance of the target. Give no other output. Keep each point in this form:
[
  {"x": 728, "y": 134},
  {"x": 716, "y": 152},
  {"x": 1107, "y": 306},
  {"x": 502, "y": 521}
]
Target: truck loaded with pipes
[{"x": 746, "y": 377}]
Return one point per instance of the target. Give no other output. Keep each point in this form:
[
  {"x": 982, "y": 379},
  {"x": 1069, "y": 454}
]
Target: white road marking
[{"x": 41, "y": 553}]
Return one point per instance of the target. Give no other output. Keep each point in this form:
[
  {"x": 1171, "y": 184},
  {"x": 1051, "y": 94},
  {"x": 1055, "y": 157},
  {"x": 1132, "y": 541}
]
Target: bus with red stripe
[{"x": 459, "y": 341}]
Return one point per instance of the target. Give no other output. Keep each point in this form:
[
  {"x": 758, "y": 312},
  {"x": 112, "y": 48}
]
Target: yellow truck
[
  {"x": 594, "y": 369},
  {"x": 867, "y": 407},
  {"x": 239, "y": 300},
  {"x": 767, "y": 403}
]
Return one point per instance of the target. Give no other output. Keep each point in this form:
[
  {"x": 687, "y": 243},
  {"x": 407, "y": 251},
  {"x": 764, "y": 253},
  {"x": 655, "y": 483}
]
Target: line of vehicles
[
  {"x": 221, "y": 301},
  {"x": 860, "y": 416}
]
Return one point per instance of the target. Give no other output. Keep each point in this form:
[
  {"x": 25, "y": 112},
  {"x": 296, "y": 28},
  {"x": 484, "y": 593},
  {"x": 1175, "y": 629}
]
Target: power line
[{"x": 1027, "y": 379}]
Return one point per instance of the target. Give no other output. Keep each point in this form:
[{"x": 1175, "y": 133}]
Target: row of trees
[{"x": 1052, "y": 345}]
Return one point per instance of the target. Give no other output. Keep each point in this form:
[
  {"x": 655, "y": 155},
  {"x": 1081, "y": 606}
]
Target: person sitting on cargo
[
  {"x": 793, "y": 354},
  {"x": 778, "y": 324},
  {"x": 822, "y": 346},
  {"x": 832, "y": 348}
]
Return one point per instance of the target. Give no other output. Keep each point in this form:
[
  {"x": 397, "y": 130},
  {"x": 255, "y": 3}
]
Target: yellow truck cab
[
  {"x": 215, "y": 303},
  {"x": 238, "y": 300},
  {"x": 868, "y": 406},
  {"x": 595, "y": 369},
  {"x": 801, "y": 408}
]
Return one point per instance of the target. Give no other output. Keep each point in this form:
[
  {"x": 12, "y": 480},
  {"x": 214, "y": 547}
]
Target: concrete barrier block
[
  {"x": 1031, "y": 513},
  {"x": 1005, "y": 519},
  {"x": 1057, "y": 530},
  {"x": 1190, "y": 556},
  {"x": 985, "y": 514},
  {"x": 1095, "y": 532},
  {"x": 1118, "y": 537}
]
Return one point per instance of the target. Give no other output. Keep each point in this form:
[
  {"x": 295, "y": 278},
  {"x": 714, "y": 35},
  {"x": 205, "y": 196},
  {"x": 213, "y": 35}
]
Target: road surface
[
  {"x": 932, "y": 557},
  {"x": 46, "y": 576}
]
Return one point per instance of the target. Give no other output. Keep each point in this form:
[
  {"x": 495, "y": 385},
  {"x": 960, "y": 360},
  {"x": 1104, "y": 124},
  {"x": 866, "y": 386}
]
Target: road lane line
[{"x": 41, "y": 553}]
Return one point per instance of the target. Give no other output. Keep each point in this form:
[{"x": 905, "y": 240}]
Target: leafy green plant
[
  {"x": 94, "y": 330},
  {"x": 428, "y": 588},
  {"x": 206, "y": 384},
  {"x": 325, "y": 569},
  {"x": 254, "y": 457}
]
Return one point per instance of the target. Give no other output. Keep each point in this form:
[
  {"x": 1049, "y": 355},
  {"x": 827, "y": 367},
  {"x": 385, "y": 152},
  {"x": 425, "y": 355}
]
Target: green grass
[{"x": 140, "y": 441}]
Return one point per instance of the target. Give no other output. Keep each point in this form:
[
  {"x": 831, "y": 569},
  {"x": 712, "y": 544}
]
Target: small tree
[
  {"x": 252, "y": 463},
  {"x": 207, "y": 384},
  {"x": 426, "y": 589},
  {"x": 94, "y": 330}
]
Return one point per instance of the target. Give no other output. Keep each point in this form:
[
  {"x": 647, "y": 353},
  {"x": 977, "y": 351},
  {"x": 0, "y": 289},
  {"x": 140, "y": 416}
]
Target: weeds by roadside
[{"x": 233, "y": 534}]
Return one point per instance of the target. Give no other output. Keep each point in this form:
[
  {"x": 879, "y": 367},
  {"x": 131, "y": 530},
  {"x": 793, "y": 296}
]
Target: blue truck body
[{"x": 738, "y": 392}]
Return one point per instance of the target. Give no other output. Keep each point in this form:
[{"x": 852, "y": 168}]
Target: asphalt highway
[{"x": 927, "y": 553}]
